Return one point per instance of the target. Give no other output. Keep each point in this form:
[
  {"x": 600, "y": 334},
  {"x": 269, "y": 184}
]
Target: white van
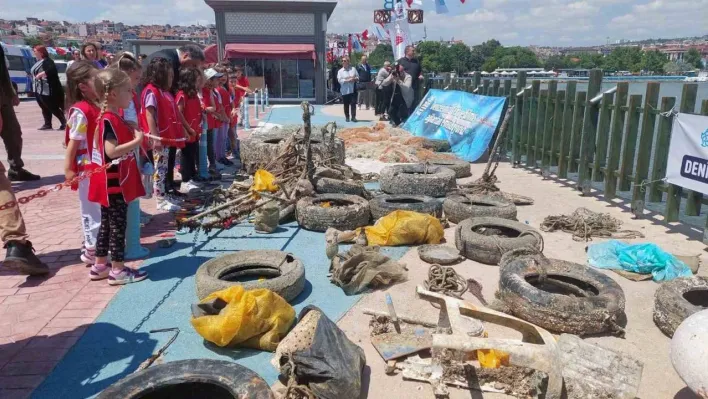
[
  {"x": 61, "y": 69},
  {"x": 19, "y": 61}
]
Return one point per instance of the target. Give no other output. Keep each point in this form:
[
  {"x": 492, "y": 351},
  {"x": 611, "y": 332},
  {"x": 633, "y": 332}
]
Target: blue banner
[{"x": 467, "y": 121}]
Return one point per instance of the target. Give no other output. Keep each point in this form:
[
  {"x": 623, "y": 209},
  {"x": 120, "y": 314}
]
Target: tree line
[{"x": 490, "y": 55}]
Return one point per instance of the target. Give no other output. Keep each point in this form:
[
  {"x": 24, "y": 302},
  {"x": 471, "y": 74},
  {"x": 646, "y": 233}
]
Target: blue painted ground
[
  {"x": 293, "y": 114},
  {"x": 119, "y": 341}
]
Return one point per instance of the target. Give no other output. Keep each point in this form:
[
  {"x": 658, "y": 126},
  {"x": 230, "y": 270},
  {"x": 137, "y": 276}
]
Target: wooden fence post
[
  {"x": 533, "y": 114},
  {"x": 554, "y": 155},
  {"x": 577, "y": 130},
  {"x": 525, "y": 123},
  {"x": 603, "y": 132},
  {"x": 630, "y": 142},
  {"x": 540, "y": 124},
  {"x": 587, "y": 141},
  {"x": 646, "y": 138},
  {"x": 673, "y": 197},
  {"x": 616, "y": 132},
  {"x": 495, "y": 88},
  {"x": 505, "y": 91},
  {"x": 548, "y": 125},
  {"x": 661, "y": 151},
  {"x": 476, "y": 80},
  {"x": 485, "y": 87},
  {"x": 518, "y": 112},
  {"x": 566, "y": 129}
]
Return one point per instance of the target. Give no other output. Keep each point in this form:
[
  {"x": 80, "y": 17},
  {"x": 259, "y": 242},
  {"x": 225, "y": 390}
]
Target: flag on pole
[
  {"x": 365, "y": 34},
  {"x": 349, "y": 44},
  {"x": 356, "y": 45},
  {"x": 380, "y": 32}
]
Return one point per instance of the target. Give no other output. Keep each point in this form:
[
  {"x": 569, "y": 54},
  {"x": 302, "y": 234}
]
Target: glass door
[
  {"x": 271, "y": 73},
  {"x": 289, "y": 78}
]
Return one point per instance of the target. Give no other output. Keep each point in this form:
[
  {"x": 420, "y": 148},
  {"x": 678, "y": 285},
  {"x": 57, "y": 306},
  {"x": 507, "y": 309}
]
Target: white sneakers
[
  {"x": 165, "y": 204},
  {"x": 190, "y": 187}
]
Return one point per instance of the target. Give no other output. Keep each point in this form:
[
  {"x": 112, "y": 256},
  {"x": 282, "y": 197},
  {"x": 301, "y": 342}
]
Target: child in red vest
[
  {"x": 223, "y": 136},
  {"x": 189, "y": 111},
  {"x": 242, "y": 88},
  {"x": 210, "y": 106},
  {"x": 83, "y": 115},
  {"x": 113, "y": 188},
  {"x": 158, "y": 117}
]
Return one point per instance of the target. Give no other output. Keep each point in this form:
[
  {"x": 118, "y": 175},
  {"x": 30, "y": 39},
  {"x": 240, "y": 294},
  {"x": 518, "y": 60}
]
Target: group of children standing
[{"x": 118, "y": 137}]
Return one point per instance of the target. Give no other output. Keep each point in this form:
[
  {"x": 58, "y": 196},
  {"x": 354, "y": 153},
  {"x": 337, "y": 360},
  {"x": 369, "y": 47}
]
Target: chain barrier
[{"x": 44, "y": 191}]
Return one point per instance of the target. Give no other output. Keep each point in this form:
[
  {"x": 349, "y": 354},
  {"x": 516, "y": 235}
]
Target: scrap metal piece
[{"x": 392, "y": 313}]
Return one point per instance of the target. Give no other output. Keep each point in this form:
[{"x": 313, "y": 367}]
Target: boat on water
[{"x": 702, "y": 77}]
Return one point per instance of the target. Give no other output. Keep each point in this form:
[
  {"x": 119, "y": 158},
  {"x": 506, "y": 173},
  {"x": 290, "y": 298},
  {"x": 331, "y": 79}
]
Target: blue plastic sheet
[{"x": 637, "y": 258}]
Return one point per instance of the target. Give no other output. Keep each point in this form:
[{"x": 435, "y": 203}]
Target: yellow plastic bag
[
  {"x": 492, "y": 358},
  {"x": 404, "y": 228},
  {"x": 263, "y": 181},
  {"x": 256, "y": 319}
]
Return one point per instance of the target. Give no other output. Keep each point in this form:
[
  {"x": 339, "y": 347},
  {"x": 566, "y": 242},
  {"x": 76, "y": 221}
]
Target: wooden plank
[
  {"x": 576, "y": 130},
  {"x": 554, "y": 155},
  {"x": 641, "y": 171},
  {"x": 603, "y": 133},
  {"x": 533, "y": 115},
  {"x": 495, "y": 88},
  {"x": 661, "y": 150},
  {"x": 673, "y": 193},
  {"x": 485, "y": 87},
  {"x": 505, "y": 91},
  {"x": 630, "y": 142},
  {"x": 590, "y": 120},
  {"x": 688, "y": 105},
  {"x": 616, "y": 132},
  {"x": 540, "y": 125},
  {"x": 566, "y": 129},
  {"x": 476, "y": 79},
  {"x": 525, "y": 120},
  {"x": 518, "y": 111},
  {"x": 548, "y": 124}
]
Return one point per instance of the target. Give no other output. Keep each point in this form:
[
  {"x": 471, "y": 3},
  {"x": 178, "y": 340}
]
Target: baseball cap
[{"x": 212, "y": 73}]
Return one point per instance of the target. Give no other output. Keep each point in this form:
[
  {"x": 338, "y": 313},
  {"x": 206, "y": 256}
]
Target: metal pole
[
  {"x": 263, "y": 94},
  {"x": 267, "y": 97},
  {"x": 133, "y": 249},
  {"x": 203, "y": 167},
  {"x": 246, "y": 118},
  {"x": 255, "y": 104}
]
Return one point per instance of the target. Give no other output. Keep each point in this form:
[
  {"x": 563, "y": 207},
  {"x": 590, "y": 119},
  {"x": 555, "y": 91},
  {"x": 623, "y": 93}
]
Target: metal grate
[{"x": 269, "y": 24}]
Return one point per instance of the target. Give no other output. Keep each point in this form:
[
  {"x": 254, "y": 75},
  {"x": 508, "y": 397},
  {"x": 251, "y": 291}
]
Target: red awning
[
  {"x": 211, "y": 54},
  {"x": 270, "y": 50}
]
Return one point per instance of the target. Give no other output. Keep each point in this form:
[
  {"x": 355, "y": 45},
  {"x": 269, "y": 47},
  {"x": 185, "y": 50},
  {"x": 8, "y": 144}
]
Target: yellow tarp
[
  {"x": 492, "y": 358},
  {"x": 255, "y": 319},
  {"x": 263, "y": 181},
  {"x": 404, "y": 228}
]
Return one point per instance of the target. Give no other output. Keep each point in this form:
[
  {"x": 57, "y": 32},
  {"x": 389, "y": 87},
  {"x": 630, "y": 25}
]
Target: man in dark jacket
[
  {"x": 365, "y": 86},
  {"x": 20, "y": 255},
  {"x": 11, "y": 131},
  {"x": 412, "y": 67},
  {"x": 189, "y": 55}
]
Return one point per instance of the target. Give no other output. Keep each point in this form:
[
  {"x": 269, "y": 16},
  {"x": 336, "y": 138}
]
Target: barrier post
[
  {"x": 246, "y": 117},
  {"x": 255, "y": 104},
  {"x": 203, "y": 167},
  {"x": 133, "y": 249},
  {"x": 263, "y": 95},
  {"x": 267, "y": 96}
]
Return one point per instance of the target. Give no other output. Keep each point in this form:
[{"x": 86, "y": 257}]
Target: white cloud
[{"x": 483, "y": 15}]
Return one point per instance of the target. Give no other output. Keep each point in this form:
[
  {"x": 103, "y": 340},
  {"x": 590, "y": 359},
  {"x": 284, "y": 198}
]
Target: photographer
[{"x": 402, "y": 95}]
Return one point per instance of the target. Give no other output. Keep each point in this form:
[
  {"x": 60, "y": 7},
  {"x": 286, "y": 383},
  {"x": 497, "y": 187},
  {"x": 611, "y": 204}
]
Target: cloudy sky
[{"x": 520, "y": 22}]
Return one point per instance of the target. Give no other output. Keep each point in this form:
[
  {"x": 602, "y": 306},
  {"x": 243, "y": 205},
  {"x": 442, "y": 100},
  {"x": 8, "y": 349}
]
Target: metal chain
[{"x": 44, "y": 191}]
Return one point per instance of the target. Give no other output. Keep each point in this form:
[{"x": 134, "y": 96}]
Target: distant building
[
  {"x": 86, "y": 30},
  {"x": 30, "y": 29}
]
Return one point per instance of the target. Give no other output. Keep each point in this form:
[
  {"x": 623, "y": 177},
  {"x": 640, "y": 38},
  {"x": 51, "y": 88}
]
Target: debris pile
[{"x": 390, "y": 144}]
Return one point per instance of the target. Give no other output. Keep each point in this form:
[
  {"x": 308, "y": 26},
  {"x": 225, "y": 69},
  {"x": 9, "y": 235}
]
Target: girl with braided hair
[
  {"x": 115, "y": 143},
  {"x": 81, "y": 101}
]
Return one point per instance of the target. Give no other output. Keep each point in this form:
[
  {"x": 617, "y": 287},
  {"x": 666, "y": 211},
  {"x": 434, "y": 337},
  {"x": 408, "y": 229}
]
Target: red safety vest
[
  {"x": 207, "y": 97},
  {"x": 82, "y": 162},
  {"x": 127, "y": 171},
  {"x": 192, "y": 113},
  {"x": 225, "y": 100},
  {"x": 170, "y": 130}
]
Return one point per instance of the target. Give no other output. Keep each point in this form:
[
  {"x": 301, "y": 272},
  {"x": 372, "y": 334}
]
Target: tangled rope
[
  {"x": 295, "y": 390},
  {"x": 444, "y": 279},
  {"x": 584, "y": 224}
]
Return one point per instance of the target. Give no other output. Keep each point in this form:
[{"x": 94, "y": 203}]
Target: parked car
[
  {"x": 19, "y": 60},
  {"x": 61, "y": 69}
]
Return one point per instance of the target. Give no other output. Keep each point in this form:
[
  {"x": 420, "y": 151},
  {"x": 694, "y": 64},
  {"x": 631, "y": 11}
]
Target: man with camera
[
  {"x": 402, "y": 95},
  {"x": 383, "y": 92}
]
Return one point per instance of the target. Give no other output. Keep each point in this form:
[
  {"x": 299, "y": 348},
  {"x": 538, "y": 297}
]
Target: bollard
[
  {"x": 246, "y": 121},
  {"x": 255, "y": 104},
  {"x": 263, "y": 95},
  {"x": 266, "y": 91},
  {"x": 203, "y": 167},
  {"x": 133, "y": 249}
]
